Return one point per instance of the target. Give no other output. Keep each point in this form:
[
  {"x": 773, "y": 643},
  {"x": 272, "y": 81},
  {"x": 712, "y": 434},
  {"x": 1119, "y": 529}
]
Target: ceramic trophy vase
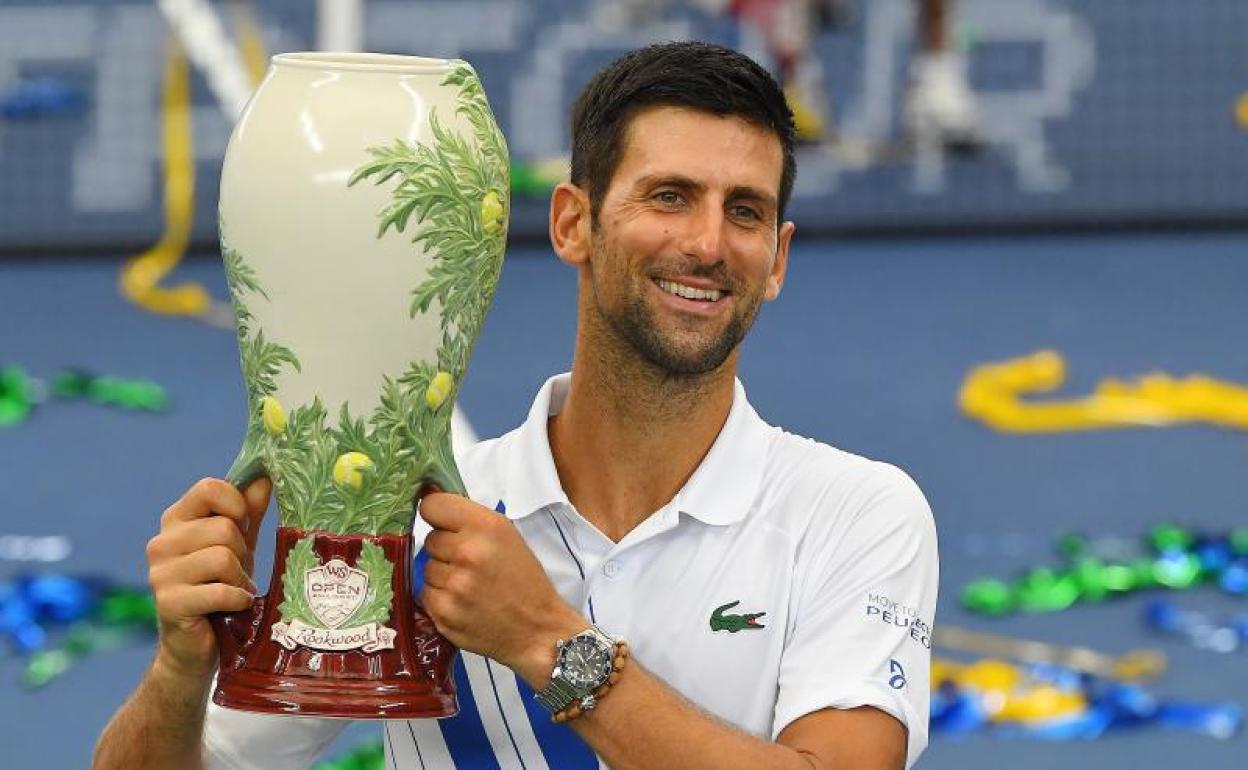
[{"x": 363, "y": 216}]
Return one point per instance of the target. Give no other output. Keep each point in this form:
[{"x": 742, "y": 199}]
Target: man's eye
[
  {"x": 746, "y": 212},
  {"x": 668, "y": 197}
]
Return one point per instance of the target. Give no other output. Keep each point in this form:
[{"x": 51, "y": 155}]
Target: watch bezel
[
  {"x": 601, "y": 661},
  {"x": 563, "y": 690}
]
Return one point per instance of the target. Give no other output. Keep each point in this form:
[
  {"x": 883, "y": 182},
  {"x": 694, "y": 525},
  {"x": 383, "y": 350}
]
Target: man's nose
[{"x": 704, "y": 237}]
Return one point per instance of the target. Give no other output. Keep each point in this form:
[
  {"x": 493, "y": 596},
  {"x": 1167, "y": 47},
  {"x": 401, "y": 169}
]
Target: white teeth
[{"x": 688, "y": 292}]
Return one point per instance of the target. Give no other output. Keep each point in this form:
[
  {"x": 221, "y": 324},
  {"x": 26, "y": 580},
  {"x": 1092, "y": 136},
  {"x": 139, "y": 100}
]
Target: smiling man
[{"x": 643, "y": 499}]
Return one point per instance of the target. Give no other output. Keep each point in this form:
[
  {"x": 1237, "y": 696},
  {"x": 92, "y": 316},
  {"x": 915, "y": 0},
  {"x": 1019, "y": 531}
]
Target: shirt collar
[
  {"x": 532, "y": 480},
  {"x": 723, "y": 488},
  {"x": 720, "y": 491}
]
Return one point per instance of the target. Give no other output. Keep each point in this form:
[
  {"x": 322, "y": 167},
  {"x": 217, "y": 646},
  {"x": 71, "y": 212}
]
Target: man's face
[{"x": 686, "y": 245}]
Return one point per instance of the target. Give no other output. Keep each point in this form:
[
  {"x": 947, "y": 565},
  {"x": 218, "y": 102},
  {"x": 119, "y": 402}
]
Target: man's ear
[
  {"x": 570, "y": 223},
  {"x": 775, "y": 281}
]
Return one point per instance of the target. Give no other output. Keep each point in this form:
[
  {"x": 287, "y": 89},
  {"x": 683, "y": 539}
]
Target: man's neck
[{"x": 629, "y": 437}]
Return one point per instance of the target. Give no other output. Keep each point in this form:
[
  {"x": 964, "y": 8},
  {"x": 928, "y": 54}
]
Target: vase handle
[
  {"x": 236, "y": 632},
  {"x": 247, "y": 467}
]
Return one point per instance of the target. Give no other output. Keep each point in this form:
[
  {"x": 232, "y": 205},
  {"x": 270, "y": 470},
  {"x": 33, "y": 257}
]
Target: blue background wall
[{"x": 1101, "y": 112}]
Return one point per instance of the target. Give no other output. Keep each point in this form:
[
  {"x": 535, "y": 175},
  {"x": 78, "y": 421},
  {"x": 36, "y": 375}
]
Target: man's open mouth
[{"x": 689, "y": 292}]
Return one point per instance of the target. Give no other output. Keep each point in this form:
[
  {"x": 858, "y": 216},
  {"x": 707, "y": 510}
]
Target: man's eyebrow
[
  {"x": 737, "y": 193},
  {"x": 747, "y": 193},
  {"x": 673, "y": 180}
]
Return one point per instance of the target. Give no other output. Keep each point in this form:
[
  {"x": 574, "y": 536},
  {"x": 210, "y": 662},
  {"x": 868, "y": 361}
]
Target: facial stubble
[{"x": 635, "y": 322}]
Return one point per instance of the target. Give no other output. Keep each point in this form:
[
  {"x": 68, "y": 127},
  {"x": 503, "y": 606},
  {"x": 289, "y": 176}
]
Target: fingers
[
  {"x": 434, "y": 604},
  {"x": 216, "y": 564},
  {"x": 438, "y": 574},
  {"x": 180, "y": 602},
  {"x": 208, "y": 497},
  {"x": 462, "y": 549},
  {"x": 256, "y": 496},
  {"x": 440, "y": 545},
  {"x": 464, "y": 533},
  {"x": 445, "y": 511},
  {"x": 200, "y": 563},
  {"x": 185, "y": 537}
]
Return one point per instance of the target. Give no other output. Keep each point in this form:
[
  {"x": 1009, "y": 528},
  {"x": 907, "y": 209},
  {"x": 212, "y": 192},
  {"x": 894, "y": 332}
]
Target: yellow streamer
[
  {"x": 1241, "y": 111},
  {"x": 250, "y": 41},
  {"x": 142, "y": 274},
  {"x": 992, "y": 394}
]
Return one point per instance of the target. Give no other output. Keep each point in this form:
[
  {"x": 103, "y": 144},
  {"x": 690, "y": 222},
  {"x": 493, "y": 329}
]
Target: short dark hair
[{"x": 700, "y": 76}]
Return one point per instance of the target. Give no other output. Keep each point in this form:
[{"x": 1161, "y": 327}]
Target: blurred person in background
[
  {"x": 755, "y": 557},
  {"x": 939, "y": 107}
]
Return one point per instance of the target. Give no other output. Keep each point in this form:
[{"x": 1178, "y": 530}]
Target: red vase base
[
  {"x": 266, "y": 693},
  {"x": 408, "y": 679}
]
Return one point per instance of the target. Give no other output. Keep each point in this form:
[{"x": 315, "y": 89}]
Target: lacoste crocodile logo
[{"x": 720, "y": 621}]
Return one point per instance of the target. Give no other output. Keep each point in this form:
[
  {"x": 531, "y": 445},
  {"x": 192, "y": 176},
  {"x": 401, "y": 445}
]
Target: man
[{"x": 777, "y": 594}]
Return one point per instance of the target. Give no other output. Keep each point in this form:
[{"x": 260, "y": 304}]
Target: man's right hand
[{"x": 201, "y": 562}]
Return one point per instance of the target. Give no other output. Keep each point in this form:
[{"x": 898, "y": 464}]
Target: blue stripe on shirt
[
  {"x": 464, "y": 733},
  {"x": 564, "y": 749},
  {"x": 502, "y": 710}
]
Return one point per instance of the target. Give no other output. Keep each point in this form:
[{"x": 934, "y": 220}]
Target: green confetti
[
  {"x": 370, "y": 756},
  {"x": 1167, "y": 537},
  {"x": 45, "y": 666},
  {"x": 989, "y": 597}
]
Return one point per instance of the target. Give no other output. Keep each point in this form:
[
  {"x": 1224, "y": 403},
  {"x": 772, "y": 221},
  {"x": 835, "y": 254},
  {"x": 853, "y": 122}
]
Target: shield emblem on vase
[{"x": 335, "y": 591}]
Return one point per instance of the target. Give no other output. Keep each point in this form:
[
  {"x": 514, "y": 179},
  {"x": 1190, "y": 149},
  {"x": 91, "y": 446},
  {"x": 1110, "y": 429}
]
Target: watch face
[{"x": 585, "y": 662}]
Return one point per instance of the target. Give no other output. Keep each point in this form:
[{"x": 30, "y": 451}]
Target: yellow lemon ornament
[
  {"x": 491, "y": 213},
  {"x": 439, "y": 389},
  {"x": 347, "y": 468},
  {"x": 272, "y": 415}
]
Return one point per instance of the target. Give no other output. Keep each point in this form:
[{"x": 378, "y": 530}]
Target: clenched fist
[
  {"x": 200, "y": 563},
  {"x": 487, "y": 592}
]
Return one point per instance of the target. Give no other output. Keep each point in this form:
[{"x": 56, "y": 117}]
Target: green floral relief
[
  {"x": 380, "y": 596},
  {"x": 457, "y": 190},
  {"x": 360, "y": 476},
  {"x": 295, "y": 603}
]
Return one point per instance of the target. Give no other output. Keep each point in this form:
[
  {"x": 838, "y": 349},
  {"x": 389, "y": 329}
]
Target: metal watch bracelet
[
  {"x": 557, "y": 696},
  {"x": 559, "y": 693}
]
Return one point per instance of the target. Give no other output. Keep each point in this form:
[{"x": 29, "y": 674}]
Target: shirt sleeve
[
  {"x": 243, "y": 740},
  {"x": 865, "y": 600}
]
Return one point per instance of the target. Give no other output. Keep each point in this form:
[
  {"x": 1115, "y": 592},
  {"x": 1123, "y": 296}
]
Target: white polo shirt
[{"x": 832, "y": 555}]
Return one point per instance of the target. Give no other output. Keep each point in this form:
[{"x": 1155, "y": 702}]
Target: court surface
[{"x": 865, "y": 350}]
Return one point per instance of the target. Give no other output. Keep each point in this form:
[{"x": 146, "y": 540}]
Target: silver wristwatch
[{"x": 582, "y": 665}]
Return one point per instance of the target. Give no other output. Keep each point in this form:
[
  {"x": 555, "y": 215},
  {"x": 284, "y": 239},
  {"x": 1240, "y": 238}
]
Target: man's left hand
[{"x": 487, "y": 592}]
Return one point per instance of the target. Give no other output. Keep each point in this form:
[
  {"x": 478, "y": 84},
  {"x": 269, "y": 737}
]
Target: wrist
[
  {"x": 168, "y": 671},
  {"x": 587, "y": 664},
  {"x": 537, "y": 661}
]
